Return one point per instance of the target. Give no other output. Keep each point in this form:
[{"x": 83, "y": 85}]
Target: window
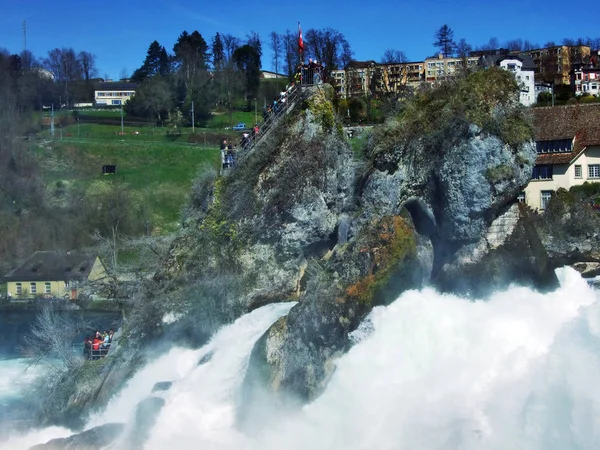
[
  {"x": 511, "y": 67},
  {"x": 521, "y": 197},
  {"x": 557, "y": 146},
  {"x": 32, "y": 288},
  {"x": 594, "y": 171},
  {"x": 578, "y": 171},
  {"x": 542, "y": 172},
  {"x": 19, "y": 289},
  {"x": 545, "y": 199},
  {"x": 47, "y": 288}
]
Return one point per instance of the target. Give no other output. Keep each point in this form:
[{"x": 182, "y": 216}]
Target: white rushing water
[{"x": 430, "y": 371}]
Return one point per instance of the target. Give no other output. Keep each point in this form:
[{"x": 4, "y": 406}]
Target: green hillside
[{"x": 158, "y": 173}]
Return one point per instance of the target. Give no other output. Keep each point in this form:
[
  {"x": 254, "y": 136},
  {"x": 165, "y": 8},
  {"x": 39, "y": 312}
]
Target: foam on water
[{"x": 430, "y": 371}]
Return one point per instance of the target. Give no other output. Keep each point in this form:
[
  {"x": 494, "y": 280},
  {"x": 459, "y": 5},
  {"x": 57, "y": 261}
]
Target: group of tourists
[
  {"x": 97, "y": 346},
  {"x": 227, "y": 155},
  {"x": 311, "y": 73}
]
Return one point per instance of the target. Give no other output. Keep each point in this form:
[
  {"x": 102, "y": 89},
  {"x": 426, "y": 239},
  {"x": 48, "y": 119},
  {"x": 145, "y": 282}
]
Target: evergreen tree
[
  {"x": 444, "y": 40},
  {"x": 247, "y": 60},
  {"x": 157, "y": 62},
  {"x": 191, "y": 52},
  {"x": 218, "y": 52}
]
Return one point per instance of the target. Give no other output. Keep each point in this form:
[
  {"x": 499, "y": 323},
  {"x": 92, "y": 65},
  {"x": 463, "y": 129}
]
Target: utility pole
[
  {"x": 255, "y": 112},
  {"x": 24, "y": 36},
  {"x": 193, "y": 128},
  {"x": 52, "y": 121}
]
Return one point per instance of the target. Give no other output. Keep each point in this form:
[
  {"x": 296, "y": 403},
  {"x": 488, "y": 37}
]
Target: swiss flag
[{"x": 300, "y": 41}]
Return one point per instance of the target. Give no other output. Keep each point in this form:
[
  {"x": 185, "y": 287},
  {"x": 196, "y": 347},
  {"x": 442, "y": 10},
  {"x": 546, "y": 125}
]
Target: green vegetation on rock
[{"x": 388, "y": 242}]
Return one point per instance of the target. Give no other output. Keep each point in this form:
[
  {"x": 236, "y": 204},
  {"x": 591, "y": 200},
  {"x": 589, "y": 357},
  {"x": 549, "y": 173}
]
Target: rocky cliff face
[
  {"x": 437, "y": 205},
  {"x": 300, "y": 219}
]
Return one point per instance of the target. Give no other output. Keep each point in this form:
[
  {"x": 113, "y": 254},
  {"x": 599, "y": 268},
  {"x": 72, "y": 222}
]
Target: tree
[
  {"x": 444, "y": 40},
  {"x": 67, "y": 70},
  {"x": 291, "y": 57},
  {"x": 190, "y": 53},
  {"x": 153, "y": 98},
  {"x": 514, "y": 45},
  {"x": 391, "y": 56},
  {"x": 463, "y": 49},
  {"x": 230, "y": 43},
  {"x": 157, "y": 62},
  {"x": 247, "y": 60},
  {"x": 253, "y": 40},
  {"x": 218, "y": 52},
  {"x": 88, "y": 65},
  {"x": 276, "y": 42},
  {"x": 492, "y": 44},
  {"x": 329, "y": 47},
  {"x": 51, "y": 337}
]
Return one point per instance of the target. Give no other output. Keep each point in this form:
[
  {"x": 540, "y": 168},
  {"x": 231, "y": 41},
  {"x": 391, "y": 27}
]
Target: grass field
[
  {"x": 141, "y": 134},
  {"x": 159, "y": 172}
]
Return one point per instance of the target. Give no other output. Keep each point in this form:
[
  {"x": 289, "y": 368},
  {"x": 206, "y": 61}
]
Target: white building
[
  {"x": 568, "y": 146},
  {"x": 522, "y": 67},
  {"x": 586, "y": 78},
  {"x": 113, "y": 93}
]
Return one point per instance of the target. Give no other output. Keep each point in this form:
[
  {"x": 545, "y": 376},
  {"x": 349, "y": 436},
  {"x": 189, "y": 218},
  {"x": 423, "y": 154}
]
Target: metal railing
[
  {"x": 310, "y": 75},
  {"x": 90, "y": 353},
  {"x": 284, "y": 105}
]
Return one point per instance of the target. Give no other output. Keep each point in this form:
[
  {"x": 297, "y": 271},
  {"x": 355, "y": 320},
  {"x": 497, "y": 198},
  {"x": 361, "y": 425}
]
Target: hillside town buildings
[{"x": 536, "y": 71}]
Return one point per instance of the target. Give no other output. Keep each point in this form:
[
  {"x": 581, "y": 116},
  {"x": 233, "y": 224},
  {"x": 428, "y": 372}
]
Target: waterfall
[{"x": 430, "y": 371}]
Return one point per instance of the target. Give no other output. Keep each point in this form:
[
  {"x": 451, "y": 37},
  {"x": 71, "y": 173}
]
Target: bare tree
[
  {"x": 514, "y": 45},
  {"x": 463, "y": 48},
  {"x": 291, "y": 57},
  {"x": 329, "y": 47},
  {"x": 230, "y": 43},
  {"x": 392, "y": 56},
  {"x": 51, "y": 338},
  {"x": 66, "y": 68},
  {"x": 87, "y": 62},
  {"x": 276, "y": 43}
]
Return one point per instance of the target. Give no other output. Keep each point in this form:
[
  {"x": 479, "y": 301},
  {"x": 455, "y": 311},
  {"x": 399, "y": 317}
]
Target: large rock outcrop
[
  {"x": 301, "y": 219},
  {"x": 438, "y": 200}
]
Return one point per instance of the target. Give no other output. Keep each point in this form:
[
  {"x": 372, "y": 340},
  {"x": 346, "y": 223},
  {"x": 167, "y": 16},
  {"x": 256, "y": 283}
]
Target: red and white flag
[{"x": 300, "y": 41}]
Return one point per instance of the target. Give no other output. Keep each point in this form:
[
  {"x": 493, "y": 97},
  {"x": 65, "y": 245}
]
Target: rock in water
[
  {"x": 95, "y": 438},
  {"x": 162, "y": 386},
  {"x": 145, "y": 417}
]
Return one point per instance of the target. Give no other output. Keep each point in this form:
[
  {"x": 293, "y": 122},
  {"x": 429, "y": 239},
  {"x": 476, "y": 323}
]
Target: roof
[
  {"x": 579, "y": 122},
  {"x": 495, "y": 60},
  {"x": 116, "y": 86},
  {"x": 360, "y": 64},
  {"x": 54, "y": 266}
]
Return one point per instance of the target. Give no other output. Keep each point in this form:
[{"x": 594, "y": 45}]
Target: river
[{"x": 430, "y": 371}]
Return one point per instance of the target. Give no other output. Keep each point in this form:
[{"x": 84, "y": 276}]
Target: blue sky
[{"x": 119, "y": 32}]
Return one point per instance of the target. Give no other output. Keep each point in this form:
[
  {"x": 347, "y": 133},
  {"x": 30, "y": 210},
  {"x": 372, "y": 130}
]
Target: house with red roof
[{"x": 568, "y": 150}]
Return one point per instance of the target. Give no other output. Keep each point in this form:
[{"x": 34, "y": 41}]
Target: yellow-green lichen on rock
[
  {"x": 389, "y": 242},
  {"x": 322, "y": 109}
]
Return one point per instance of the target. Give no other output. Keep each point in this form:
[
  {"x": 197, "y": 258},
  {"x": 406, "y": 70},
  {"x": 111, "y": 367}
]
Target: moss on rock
[{"x": 389, "y": 241}]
